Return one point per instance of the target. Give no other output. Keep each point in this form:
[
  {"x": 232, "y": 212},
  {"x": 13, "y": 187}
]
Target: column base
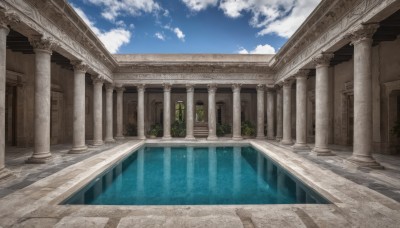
[
  {"x": 322, "y": 152},
  {"x": 365, "y": 162},
  {"x": 286, "y": 142},
  {"x": 78, "y": 150},
  {"x": 39, "y": 159},
  {"x": 110, "y": 140},
  {"x": 190, "y": 138},
  {"x": 5, "y": 173},
  {"x": 142, "y": 137},
  {"x": 237, "y": 138},
  {"x": 300, "y": 147},
  {"x": 98, "y": 143},
  {"x": 119, "y": 137},
  {"x": 278, "y": 138},
  {"x": 166, "y": 138},
  {"x": 270, "y": 138},
  {"x": 212, "y": 138}
]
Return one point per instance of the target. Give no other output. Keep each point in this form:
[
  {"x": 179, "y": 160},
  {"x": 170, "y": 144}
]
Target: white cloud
[
  {"x": 198, "y": 5},
  {"x": 160, "y": 36},
  {"x": 113, "y": 8},
  {"x": 178, "y": 32},
  {"x": 281, "y": 17},
  {"x": 112, "y": 39},
  {"x": 260, "y": 49}
]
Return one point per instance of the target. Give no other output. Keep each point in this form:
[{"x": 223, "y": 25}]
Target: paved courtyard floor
[{"x": 361, "y": 197}]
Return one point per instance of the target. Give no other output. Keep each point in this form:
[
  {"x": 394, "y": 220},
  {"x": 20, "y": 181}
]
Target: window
[
  {"x": 179, "y": 111},
  {"x": 200, "y": 114}
]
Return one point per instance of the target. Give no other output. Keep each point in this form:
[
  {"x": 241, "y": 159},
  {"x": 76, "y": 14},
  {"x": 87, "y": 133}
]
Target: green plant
[
  {"x": 248, "y": 129},
  {"x": 131, "y": 130},
  {"x": 178, "y": 129},
  {"x": 155, "y": 130},
  {"x": 396, "y": 129},
  {"x": 223, "y": 129}
]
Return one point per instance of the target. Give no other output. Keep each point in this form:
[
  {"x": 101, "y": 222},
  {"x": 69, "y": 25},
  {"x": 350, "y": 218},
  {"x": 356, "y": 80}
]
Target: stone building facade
[{"x": 336, "y": 81}]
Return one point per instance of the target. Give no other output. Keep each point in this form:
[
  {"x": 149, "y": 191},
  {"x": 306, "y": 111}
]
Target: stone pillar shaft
[
  {"x": 301, "y": 111},
  {"x": 3, "y": 48},
  {"x": 140, "y": 110},
  {"x": 212, "y": 123},
  {"x": 279, "y": 115},
  {"x": 270, "y": 114},
  {"x": 78, "y": 136},
  {"x": 363, "y": 128},
  {"x": 42, "y": 48},
  {"x": 167, "y": 111},
  {"x": 97, "y": 111},
  {"x": 236, "y": 133},
  {"x": 287, "y": 114},
  {"x": 189, "y": 112},
  {"x": 120, "y": 113},
  {"x": 260, "y": 111},
  {"x": 322, "y": 105},
  {"x": 109, "y": 113}
]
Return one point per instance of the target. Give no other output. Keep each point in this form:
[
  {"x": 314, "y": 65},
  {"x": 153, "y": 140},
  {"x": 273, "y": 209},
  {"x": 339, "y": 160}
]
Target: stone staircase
[{"x": 200, "y": 131}]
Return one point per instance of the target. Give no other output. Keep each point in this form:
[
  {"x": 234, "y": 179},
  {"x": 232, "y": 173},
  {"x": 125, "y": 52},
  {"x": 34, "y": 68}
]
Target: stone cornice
[
  {"x": 348, "y": 15},
  {"x": 48, "y": 19},
  {"x": 195, "y": 68}
]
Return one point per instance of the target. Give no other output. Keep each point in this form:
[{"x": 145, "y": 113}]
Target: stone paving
[{"x": 353, "y": 205}]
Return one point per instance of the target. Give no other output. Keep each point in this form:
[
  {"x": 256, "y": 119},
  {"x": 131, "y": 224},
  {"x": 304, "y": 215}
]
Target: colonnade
[{"x": 361, "y": 40}]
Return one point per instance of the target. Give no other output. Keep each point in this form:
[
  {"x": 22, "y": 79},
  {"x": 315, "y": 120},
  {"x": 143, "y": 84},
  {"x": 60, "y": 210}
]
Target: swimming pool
[{"x": 195, "y": 176}]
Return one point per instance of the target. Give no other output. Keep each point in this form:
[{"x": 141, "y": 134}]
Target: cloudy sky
[{"x": 194, "y": 26}]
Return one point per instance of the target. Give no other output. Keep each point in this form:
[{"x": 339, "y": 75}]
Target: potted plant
[
  {"x": 396, "y": 129},
  {"x": 223, "y": 129},
  {"x": 248, "y": 129},
  {"x": 178, "y": 129},
  {"x": 155, "y": 130}
]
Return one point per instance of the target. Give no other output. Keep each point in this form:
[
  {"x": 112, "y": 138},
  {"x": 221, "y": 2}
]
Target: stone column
[
  {"x": 287, "y": 112},
  {"x": 270, "y": 114},
  {"x": 237, "y": 106},
  {"x": 167, "y": 111},
  {"x": 322, "y": 105},
  {"x": 362, "y": 146},
  {"x": 78, "y": 134},
  {"x": 260, "y": 111},
  {"x": 301, "y": 111},
  {"x": 189, "y": 112},
  {"x": 120, "y": 112},
  {"x": 98, "y": 82},
  {"x": 212, "y": 123},
  {"x": 279, "y": 114},
  {"x": 140, "y": 110},
  {"x": 3, "y": 48},
  {"x": 43, "y": 50},
  {"x": 109, "y": 113}
]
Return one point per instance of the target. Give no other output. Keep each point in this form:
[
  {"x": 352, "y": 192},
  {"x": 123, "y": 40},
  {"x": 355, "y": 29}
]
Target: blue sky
[{"x": 194, "y": 26}]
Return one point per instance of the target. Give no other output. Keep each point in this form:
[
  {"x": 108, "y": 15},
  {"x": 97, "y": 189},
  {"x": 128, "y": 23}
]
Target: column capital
[
  {"x": 167, "y": 87},
  {"x": 362, "y": 33},
  {"x": 322, "y": 59},
  {"x": 287, "y": 82},
  {"x": 141, "y": 87},
  {"x": 270, "y": 88},
  {"x": 260, "y": 88},
  {"x": 302, "y": 74},
  {"x": 109, "y": 87},
  {"x": 8, "y": 18},
  {"x": 43, "y": 43},
  {"x": 98, "y": 79},
  {"x": 78, "y": 65},
  {"x": 189, "y": 88},
  {"x": 119, "y": 88},
  {"x": 212, "y": 88},
  {"x": 236, "y": 87}
]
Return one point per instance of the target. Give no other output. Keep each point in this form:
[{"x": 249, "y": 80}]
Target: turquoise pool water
[{"x": 195, "y": 176}]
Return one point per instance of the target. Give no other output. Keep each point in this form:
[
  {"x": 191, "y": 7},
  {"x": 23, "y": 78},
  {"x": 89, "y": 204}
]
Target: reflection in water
[{"x": 182, "y": 176}]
